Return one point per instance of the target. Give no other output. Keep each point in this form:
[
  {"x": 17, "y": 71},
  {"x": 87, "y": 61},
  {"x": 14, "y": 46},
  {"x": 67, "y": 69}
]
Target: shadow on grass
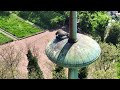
[{"x": 4, "y": 13}]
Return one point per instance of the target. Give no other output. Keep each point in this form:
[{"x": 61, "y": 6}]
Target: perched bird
[{"x": 60, "y": 34}]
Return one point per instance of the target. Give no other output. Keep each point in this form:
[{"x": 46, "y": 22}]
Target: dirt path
[{"x": 39, "y": 42}]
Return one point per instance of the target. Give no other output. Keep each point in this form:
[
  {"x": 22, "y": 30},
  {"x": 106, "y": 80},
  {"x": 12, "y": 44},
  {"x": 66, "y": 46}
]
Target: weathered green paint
[
  {"x": 79, "y": 54},
  {"x": 73, "y": 73},
  {"x": 73, "y": 26},
  {"x": 73, "y": 55}
]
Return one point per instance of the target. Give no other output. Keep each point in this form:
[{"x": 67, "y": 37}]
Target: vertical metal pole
[
  {"x": 73, "y": 73},
  {"x": 73, "y": 26}
]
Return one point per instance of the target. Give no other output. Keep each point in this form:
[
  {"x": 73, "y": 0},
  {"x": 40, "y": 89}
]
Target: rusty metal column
[{"x": 73, "y": 26}]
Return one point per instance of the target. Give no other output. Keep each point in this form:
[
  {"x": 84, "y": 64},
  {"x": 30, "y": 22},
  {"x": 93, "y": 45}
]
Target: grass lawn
[
  {"x": 16, "y": 26},
  {"x": 4, "y": 39}
]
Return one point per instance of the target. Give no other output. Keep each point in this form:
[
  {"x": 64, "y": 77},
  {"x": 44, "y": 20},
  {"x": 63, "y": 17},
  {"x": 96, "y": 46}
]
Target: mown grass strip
[
  {"x": 4, "y": 39},
  {"x": 19, "y": 28}
]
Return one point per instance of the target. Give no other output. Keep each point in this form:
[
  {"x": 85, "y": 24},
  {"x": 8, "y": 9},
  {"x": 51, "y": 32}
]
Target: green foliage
[
  {"x": 105, "y": 66},
  {"x": 29, "y": 55},
  {"x": 4, "y": 39},
  {"x": 118, "y": 46},
  {"x": 102, "y": 21},
  {"x": 118, "y": 70},
  {"x": 59, "y": 73},
  {"x": 93, "y": 22},
  {"x": 109, "y": 74},
  {"x": 84, "y": 21},
  {"x": 56, "y": 21},
  {"x": 34, "y": 71},
  {"x": 114, "y": 33},
  {"x": 44, "y": 19},
  {"x": 118, "y": 64},
  {"x": 4, "y": 13},
  {"x": 83, "y": 72},
  {"x": 14, "y": 25},
  {"x": 109, "y": 54}
]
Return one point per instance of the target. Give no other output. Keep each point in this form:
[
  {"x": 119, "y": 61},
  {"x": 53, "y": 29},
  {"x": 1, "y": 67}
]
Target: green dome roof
[{"x": 79, "y": 54}]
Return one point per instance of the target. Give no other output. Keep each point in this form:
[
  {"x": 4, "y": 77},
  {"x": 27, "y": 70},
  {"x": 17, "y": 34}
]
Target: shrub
[
  {"x": 93, "y": 22},
  {"x": 118, "y": 64},
  {"x": 83, "y": 73},
  {"x": 4, "y": 13},
  {"x": 105, "y": 66},
  {"x": 44, "y": 19},
  {"x": 59, "y": 73},
  {"x": 34, "y": 71},
  {"x": 114, "y": 33}
]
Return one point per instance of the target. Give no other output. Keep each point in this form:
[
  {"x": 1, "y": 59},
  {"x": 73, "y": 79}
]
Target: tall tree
[
  {"x": 114, "y": 33},
  {"x": 34, "y": 71}
]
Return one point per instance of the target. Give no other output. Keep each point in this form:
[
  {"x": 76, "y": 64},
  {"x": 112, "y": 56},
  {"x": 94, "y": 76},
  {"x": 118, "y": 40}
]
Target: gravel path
[{"x": 39, "y": 42}]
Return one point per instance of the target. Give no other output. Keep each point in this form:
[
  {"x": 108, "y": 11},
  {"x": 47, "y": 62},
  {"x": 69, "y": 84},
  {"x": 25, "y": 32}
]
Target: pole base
[
  {"x": 73, "y": 73},
  {"x": 72, "y": 41}
]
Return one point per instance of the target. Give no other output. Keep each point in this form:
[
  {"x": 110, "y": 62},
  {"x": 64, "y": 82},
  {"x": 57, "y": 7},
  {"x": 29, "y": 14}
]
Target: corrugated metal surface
[{"x": 78, "y": 54}]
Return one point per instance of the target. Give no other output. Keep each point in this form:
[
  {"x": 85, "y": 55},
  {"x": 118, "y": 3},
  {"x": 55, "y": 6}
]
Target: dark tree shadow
[{"x": 4, "y": 13}]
